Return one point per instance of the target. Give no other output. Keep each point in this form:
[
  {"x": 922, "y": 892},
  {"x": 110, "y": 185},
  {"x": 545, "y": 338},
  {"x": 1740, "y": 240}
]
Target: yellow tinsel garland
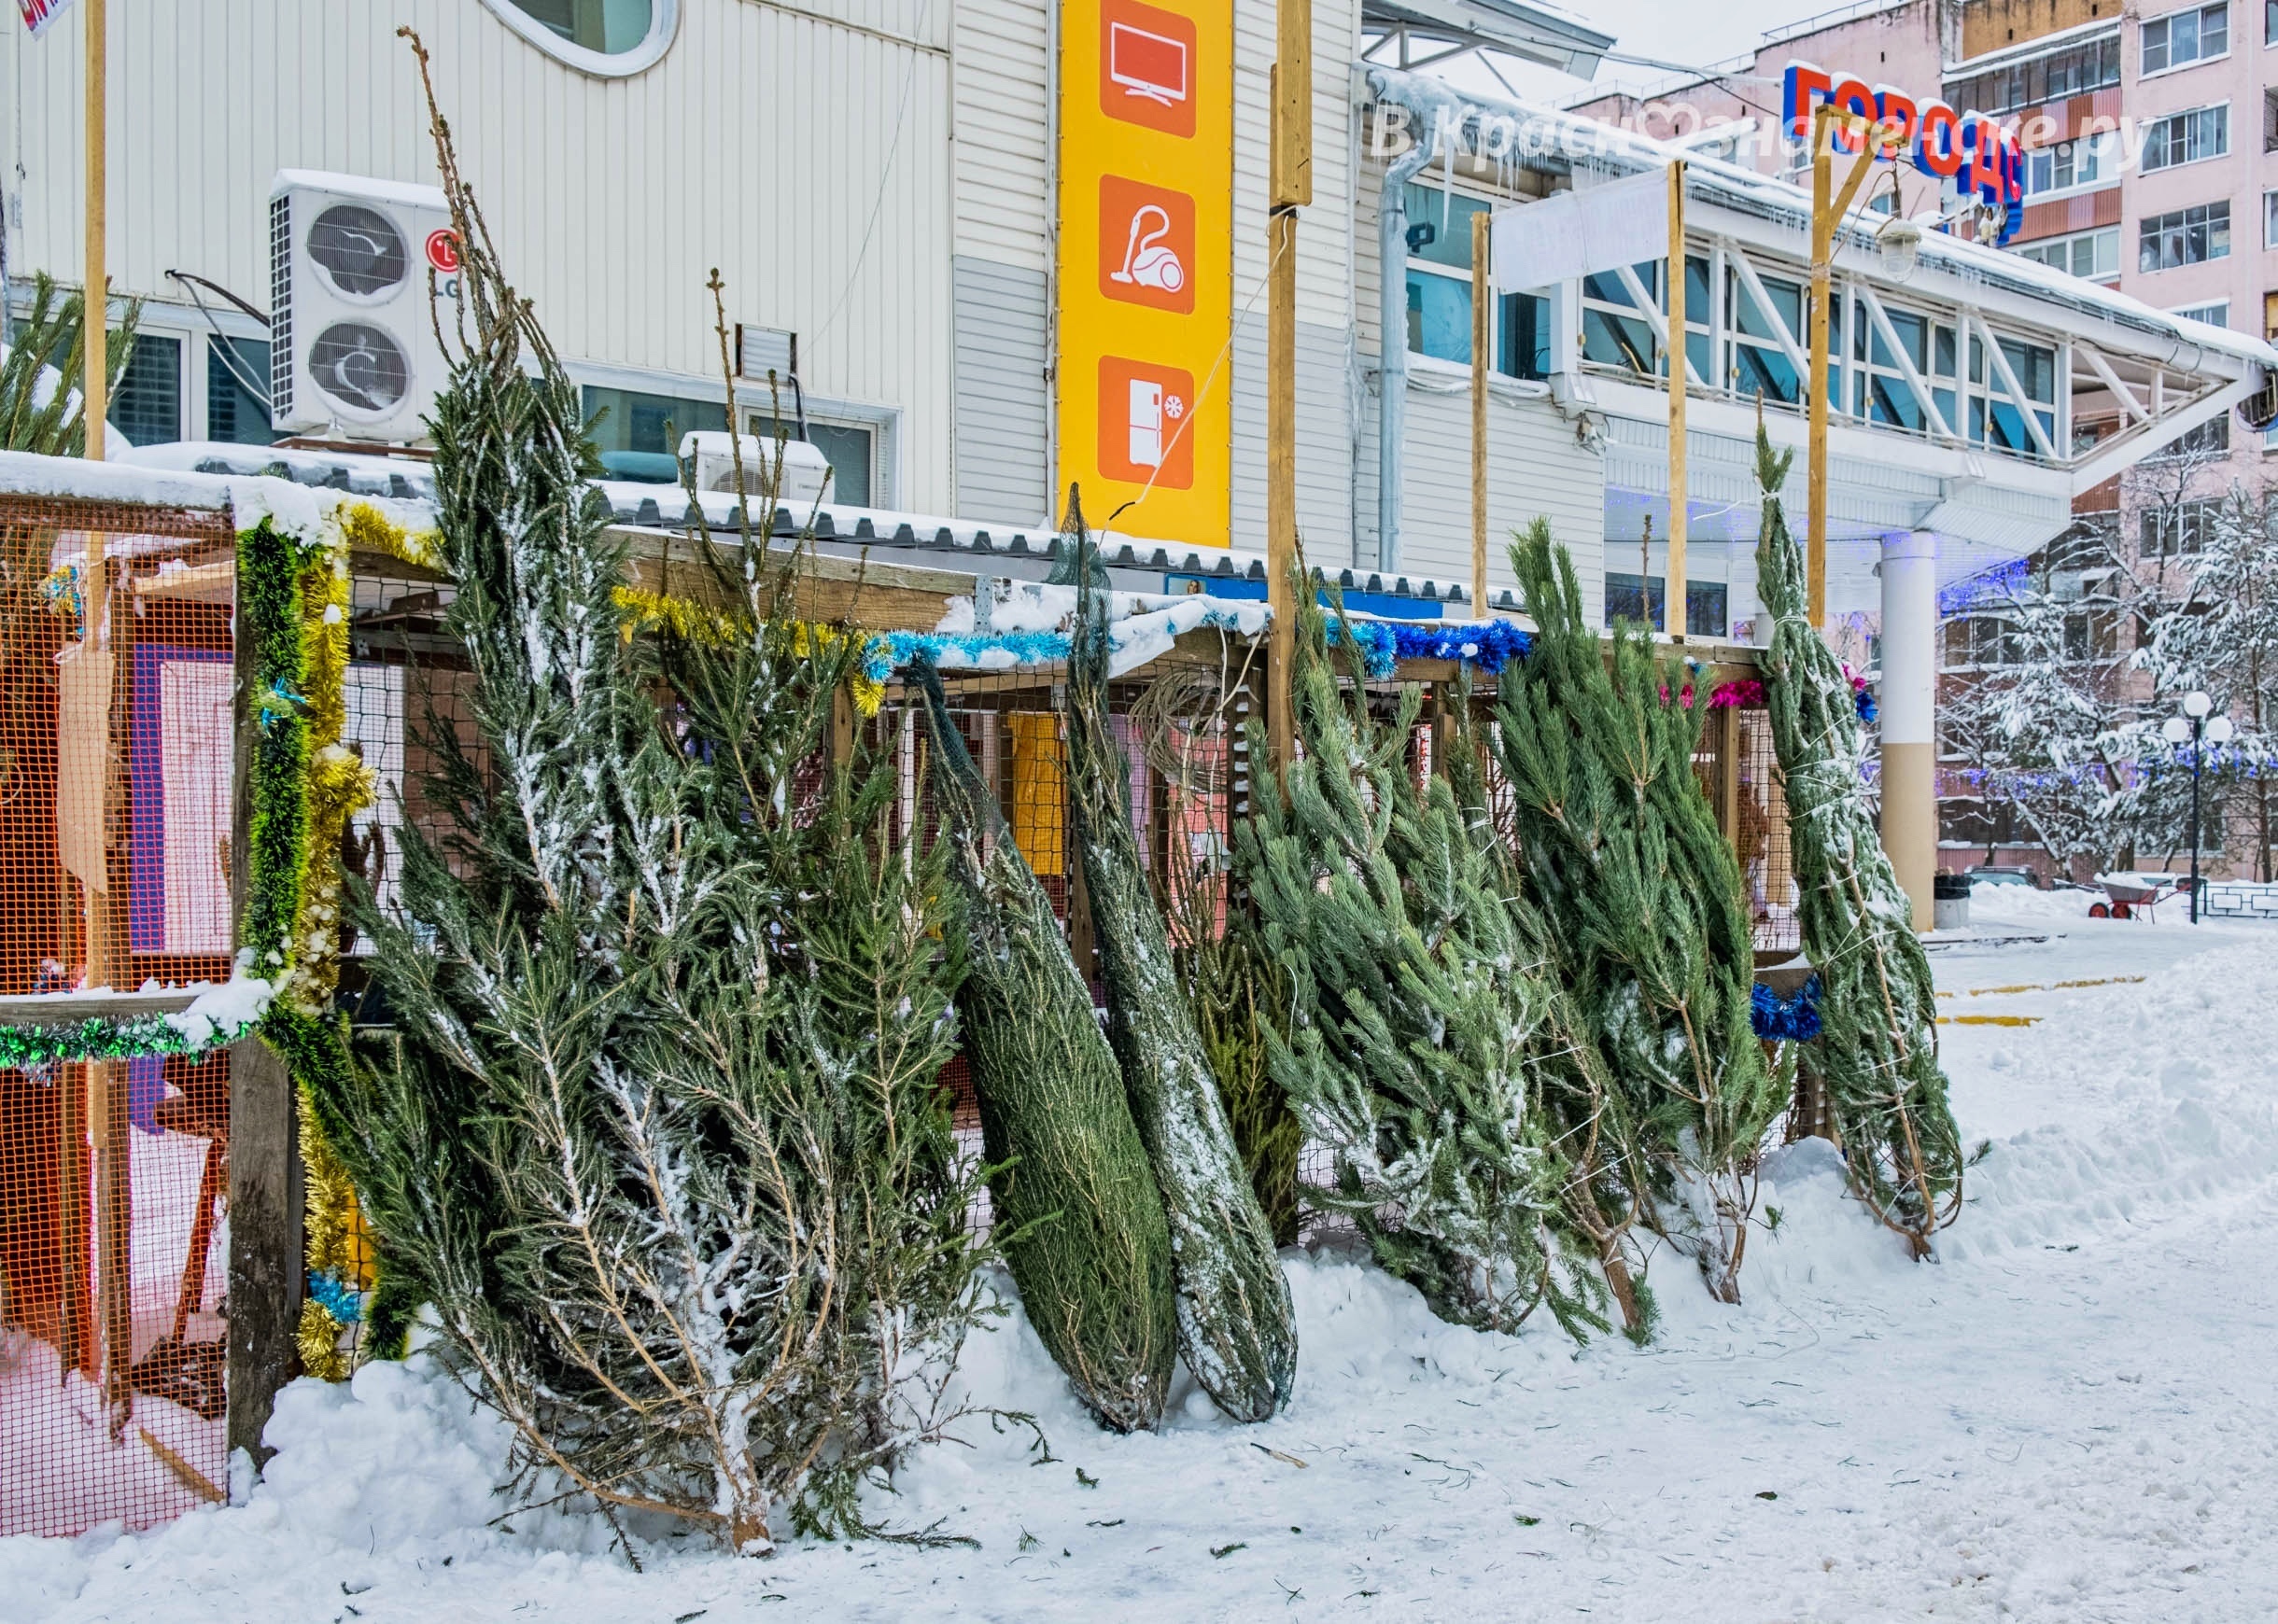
[
  {"x": 646, "y": 610},
  {"x": 340, "y": 784}
]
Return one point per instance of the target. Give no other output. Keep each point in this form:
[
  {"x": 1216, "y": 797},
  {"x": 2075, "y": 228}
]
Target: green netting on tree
[
  {"x": 1236, "y": 1327},
  {"x": 1642, "y": 897},
  {"x": 1877, "y": 1048},
  {"x": 1073, "y": 1193},
  {"x": 1414, "y": 1007}
]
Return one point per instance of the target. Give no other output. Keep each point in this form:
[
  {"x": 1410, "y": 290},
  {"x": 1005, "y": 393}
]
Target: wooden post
[
  {"x": 94, "y": 387},
  {"x": 1828, "y": 207},
  {"x": 1479, "y": 414},
  {"x": 1673, "y": 597},
  {"x": 1290, "y": 92},
  {"x": 266, "y": 1255}
]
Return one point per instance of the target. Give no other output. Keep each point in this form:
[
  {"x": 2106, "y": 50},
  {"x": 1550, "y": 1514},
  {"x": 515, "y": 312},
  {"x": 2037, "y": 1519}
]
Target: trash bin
[{"x": 1949, "y": 901}]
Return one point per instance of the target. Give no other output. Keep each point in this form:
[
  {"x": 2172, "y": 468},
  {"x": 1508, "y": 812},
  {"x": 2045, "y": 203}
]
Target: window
[
  {"x": 146, "y": 407},
  {"x": 2095, "y": 255},
  {"x": 1705, "y": 602},
  {"x": 2186, "y": 36},
  {"x": 1440, "y": 292},
  {"x": 610, "y": 38},
  {"x": 237, "y": 391},
  {"x": 1614, "y": 331},
  {"x": 2215, "y": 314},
  {"x": 2178, "y": 530},
  {"x": 2090, "y": 66},
  {"x": 1880, "y": 393},
  {"x": 2270, "y": 210},
  {"x": 639, "y": 435},
  {"x": 847, "y": 447},
  {"x": 2270, "y": 115},
  {"x": 2069, "y": 163},
  {"x": 2187, "y": 137},
  {"x": 2185, "y": 237},
  {"x": 2208, "y": 439},
  {"x": 1981, "y": 640},
  {"x": 1998, "y": 418},
  {"x": 1760, "y": 366}
]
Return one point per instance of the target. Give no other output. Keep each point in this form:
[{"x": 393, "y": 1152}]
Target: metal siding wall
[
  {"x": 1324, "y": 439},
  {"x": 1004, "y": 164},
  {"x": 1001, "y": 397},
  {"x": 757, "y": 144},
  {"x": 1534, "y": 467}
]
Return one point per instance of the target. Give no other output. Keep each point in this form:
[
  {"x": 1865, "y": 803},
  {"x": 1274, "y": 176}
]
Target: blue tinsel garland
[
  {"x": 1489, "y": 645},
  {"x": 338, "y": 1299},
  {"x": 1785, "y": 1019}
]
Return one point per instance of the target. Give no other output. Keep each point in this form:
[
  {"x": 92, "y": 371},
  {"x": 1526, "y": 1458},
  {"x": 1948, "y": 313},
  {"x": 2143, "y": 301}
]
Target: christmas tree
[
  {"x": 1235, "y": 1326},
  {"x": 1414, "y": 1007},
  {"x": 656, "y": 1136},
  {"x": 1877, "y": 1048},
  {"x": 1072, "y": 1189},
  {"x": 1641, "y": 895}
]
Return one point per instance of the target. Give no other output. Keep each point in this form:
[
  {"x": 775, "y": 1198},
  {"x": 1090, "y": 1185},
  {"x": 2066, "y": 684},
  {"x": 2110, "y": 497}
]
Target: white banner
[
  {"x": 1579, "y": 233},
  {"x": 38, "y": 14}
]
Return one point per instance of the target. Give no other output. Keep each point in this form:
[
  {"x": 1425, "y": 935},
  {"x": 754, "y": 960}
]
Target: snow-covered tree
[
  {"x": 656, "y": 1137},
  {"x": 1642, "y": 895},
  {"x": 1416, "y": 1009}
]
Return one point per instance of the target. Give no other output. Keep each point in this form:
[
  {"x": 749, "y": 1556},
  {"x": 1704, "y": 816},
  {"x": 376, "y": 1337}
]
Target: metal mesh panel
[{"x": 117, "y": 749}]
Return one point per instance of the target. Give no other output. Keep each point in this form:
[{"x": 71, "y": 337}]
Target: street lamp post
[{"x": 2196, "y": 725}]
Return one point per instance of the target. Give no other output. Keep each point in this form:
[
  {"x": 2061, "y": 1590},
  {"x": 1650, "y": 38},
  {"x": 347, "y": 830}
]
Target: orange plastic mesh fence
[{"x": 117, "y": 742}]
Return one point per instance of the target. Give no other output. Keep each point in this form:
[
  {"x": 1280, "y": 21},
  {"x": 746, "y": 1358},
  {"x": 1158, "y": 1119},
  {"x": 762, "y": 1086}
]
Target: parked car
[{"x": 2005, "y": 874}]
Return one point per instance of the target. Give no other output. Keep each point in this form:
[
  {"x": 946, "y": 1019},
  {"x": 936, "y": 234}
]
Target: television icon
[
  {"x": 1147, "y": 64},
  {"x": 1147, "y": 67}
]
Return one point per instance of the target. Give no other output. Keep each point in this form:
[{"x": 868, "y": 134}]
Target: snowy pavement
[{"x": 2065, "y": 1418}]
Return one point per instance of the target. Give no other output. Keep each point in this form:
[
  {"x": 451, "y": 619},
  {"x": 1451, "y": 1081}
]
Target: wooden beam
[
  {"x": 1681, "y": 369},
  {"x": 1479, "y": 413}
]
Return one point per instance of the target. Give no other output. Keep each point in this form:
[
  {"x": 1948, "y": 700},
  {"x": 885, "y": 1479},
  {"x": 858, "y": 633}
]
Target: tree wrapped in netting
[
  {"x": 1641, "y": 895},
  {"x": 656, "y": 1136},
  {"x": 1590, "y": 1126},
  {"x": 1071, "y": 1188},
  {"x": 1415, "y": 1006},
  {"x": 1877, "y": 1048},
  {"x": 1236, "y": 1326}
]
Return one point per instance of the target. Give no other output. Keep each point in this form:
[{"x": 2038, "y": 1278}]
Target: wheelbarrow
[{"x": 2133, "y": 896}]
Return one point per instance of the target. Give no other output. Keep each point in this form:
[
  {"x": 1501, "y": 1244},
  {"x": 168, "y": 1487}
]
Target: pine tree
[
  {"x": 1877, "y": 1048},
  {"x": 1236, "y": 1324},
  {"x": 1071, "y": 1187},
  {"x": 1642, "y": 896},
  {"x": 656, "y": 1136},
  {"x": 1415, "y": 1006}
]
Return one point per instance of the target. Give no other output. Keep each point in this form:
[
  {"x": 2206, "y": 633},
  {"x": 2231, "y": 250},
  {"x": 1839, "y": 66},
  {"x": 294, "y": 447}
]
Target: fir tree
[
  {"x": 1642, "y": 896},
  {"x": 1071, "y": 1187},
  {"x": 656, "y": 1136},
  {"x": 1415, "y": 1006},
  {"x": 1236, "y": 1325},
  {"x": 1877, "y": 1048}
]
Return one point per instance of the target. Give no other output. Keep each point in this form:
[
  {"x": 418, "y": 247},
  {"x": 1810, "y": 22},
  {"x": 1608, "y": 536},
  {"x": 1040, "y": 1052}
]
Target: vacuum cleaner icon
[{"x": 1148, "y": 260}]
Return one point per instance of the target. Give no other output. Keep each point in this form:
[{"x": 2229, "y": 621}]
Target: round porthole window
[{"x": 608, "y": 38}]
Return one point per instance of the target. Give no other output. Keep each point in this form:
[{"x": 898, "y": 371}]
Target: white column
[{"x": 1909, "y": 704}]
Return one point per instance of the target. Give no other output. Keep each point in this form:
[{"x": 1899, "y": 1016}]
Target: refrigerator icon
[{"x": 1146, "y": 423}]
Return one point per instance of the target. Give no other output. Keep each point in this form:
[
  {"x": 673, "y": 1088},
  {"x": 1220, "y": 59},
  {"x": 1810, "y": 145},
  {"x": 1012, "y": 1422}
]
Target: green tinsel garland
[{"x": 104, "y": 1038}]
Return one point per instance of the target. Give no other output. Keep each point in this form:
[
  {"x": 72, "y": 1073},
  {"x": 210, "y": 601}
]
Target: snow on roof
[
  {"x": 301, "y": 487},
  {"x": 1550, "y": 130}
]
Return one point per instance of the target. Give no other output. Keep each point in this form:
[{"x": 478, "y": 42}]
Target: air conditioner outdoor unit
[
  {"x": 802, "y": 477},
  {"x": 352, "y": 333}
]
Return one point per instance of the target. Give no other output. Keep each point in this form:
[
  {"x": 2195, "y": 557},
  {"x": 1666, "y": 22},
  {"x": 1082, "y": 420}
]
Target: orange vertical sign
[{"x": 1145, "y": 276}]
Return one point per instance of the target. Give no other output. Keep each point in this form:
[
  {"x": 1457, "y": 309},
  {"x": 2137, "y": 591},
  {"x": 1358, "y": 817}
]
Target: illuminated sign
[
  {"x": 1970, "y": 150},
  {"x": 1145, "y": 283}
]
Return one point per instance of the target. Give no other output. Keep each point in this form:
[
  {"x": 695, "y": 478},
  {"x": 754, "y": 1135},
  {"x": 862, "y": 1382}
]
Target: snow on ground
[{"x": 2063, "y": 1420}]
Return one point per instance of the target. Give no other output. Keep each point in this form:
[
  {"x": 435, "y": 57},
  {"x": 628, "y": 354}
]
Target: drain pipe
[{"x": 1392, "y": 341}]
